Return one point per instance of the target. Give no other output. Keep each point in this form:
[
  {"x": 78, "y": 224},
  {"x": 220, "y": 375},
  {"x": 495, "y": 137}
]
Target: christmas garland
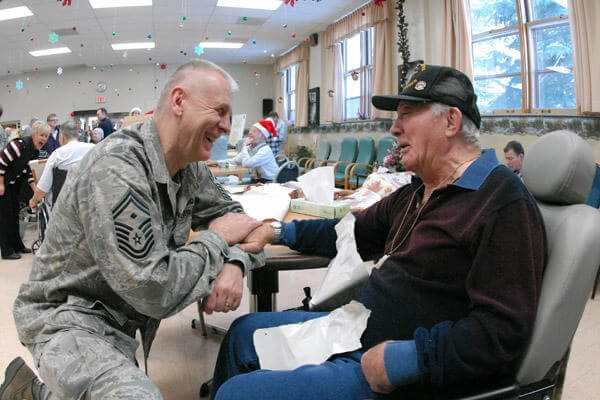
[{"x": 402, "y": 42}]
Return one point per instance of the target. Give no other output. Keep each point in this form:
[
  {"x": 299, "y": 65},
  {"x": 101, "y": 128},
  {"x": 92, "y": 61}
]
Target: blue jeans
[{"x": 238, "y": 374}]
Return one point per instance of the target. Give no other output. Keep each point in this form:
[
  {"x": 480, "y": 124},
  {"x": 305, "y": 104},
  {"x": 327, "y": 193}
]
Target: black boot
[{"x": 19, "y": 381}]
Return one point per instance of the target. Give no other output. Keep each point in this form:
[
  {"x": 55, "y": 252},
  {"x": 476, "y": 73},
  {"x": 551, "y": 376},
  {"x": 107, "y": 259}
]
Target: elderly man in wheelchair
[{"x": 461, "y": 251}]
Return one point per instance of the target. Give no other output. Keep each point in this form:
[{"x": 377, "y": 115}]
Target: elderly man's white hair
[{"x": 99, "y": 132}]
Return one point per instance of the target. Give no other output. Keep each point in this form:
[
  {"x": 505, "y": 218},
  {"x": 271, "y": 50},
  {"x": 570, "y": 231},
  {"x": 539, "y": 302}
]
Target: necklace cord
[{"x": 393, "y": 246}]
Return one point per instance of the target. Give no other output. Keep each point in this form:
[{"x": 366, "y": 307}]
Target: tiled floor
[{"x": 181, "y": 358}]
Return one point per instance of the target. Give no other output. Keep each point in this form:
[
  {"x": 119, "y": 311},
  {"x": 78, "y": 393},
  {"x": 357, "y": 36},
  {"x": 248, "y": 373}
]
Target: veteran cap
[{"x": 434, "y": 83}]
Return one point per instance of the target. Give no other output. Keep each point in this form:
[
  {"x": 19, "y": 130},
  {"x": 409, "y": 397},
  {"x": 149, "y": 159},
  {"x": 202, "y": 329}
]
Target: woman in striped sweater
[{"x": 14, "y": 169}]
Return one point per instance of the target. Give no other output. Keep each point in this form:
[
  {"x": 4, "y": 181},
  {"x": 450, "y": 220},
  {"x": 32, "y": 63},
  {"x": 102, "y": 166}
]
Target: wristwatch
[{"x": 276, "y": 225}]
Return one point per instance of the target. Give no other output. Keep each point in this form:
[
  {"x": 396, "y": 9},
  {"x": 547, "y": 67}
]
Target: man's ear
[
  {"x": 176, "y": 98},
  {"x": 453, "y": 121}
]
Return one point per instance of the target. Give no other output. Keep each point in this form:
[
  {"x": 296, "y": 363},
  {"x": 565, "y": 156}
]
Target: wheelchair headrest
[{"x": 559, "y": 168}]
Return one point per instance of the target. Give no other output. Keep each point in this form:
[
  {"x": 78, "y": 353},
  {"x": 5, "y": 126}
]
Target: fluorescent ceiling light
[
  {"x": 119, "y": 3},
  {"x": 50, "y": 52},
  {"x": 221, "y": 45},
  {"x": 254, "y": 4},
  {"x": 133, "y": 46},
  {"x": 15, "y": 12}
]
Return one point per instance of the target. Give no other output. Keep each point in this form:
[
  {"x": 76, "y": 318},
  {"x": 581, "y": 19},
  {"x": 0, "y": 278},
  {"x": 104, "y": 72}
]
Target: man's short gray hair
[
  {"x": 468, "y": 128},
  {"x": 69, "y": 130},
  {"x": 198, "y": 65}
]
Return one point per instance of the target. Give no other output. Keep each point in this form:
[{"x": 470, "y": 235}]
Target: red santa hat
[{"x": 267, "y": 127}]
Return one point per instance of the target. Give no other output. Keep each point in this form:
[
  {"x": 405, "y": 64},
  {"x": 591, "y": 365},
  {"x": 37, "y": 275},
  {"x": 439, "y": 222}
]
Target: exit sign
[{"x": 100, "y": 99}]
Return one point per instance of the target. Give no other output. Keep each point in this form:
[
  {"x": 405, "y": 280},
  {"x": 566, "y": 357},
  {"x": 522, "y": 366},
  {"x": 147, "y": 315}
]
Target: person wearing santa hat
[
  {"x": 257, "y": 155},
  {"x": 273, "y": 139}
]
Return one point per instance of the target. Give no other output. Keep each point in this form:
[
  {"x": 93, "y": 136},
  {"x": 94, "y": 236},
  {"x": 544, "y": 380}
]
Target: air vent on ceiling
[
  {"x": 66, "y": 32},
  {"x": 251, "y": 21}
]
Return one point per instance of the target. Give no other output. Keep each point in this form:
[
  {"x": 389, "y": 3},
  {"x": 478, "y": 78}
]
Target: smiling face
[
  {"x": 206, "y": 113},
  {"x": 39, "y": 136},
  {"x": 419, "y": 134}
]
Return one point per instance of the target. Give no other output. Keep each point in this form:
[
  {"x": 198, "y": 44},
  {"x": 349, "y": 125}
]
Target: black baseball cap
[{"x": 435, "y": 83}]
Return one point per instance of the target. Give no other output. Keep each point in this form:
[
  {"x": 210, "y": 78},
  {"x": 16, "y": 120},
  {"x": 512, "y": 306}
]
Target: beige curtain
[
  {"x": 338, "y": 86},
  {"x": 300, "y": 56},
  {"x": 584, "y": 16},
  {"x": 302, "y": 94},
  {"x": 383, "y": 58},
  {"x": 384, "y": 66},
  {"x": 280, "y": 99},
  {"x": 363, "y": 18},
  {"x": 456, "y": 48},
  {"x": 331, "y": 107}
]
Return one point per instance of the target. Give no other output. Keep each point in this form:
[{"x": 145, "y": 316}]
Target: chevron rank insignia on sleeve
[{"x": 133, "y": 226}]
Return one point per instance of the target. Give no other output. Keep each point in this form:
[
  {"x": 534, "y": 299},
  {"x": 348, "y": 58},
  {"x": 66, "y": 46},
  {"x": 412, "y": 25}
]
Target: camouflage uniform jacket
[{"x": 115, "y": 257}]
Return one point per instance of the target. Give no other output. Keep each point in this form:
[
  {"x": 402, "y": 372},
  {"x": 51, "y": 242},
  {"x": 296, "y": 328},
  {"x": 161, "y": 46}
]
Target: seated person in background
[
  {"x": 135, "y": 111},
  {"x": 461, "y": 253},
  {"x": 97, "y": 135},
  {"x": 70, "y": 152},
  {"x": 514, "y": 155},
  {"x": 256, "y": 155},
  {"x": 273, "y": 140},
  {"x": 27, "y": 128}
]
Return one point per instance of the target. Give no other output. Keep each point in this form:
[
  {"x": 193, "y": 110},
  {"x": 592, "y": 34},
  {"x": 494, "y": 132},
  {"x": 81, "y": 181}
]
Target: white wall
[{"x": 75, "y": 90}]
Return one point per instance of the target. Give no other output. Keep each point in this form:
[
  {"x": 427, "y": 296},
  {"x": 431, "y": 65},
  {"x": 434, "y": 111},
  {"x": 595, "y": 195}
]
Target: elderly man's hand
[
  {"x": 374, "y": 369},
  {"x": 258, "y": 238},
  {"x": 233, "y": 227},
  {"x": 227, "y": 290}
]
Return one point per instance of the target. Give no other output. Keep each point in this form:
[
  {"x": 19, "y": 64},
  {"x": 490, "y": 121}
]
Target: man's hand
[
  {"x": 227, "y": 290},
  {"x": 258, "y": 238},
  {"x": 374, "y": 369},
  {"x": 233, "y": 227},
  {"x": 1, "y": 189}
]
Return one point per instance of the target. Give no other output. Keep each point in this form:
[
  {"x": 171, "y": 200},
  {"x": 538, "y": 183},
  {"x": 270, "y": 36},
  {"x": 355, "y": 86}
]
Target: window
[
  {"x": 290, "y": 92},
  {"x": 522, "y": 54},
  {"x": 358, "y": 72}
]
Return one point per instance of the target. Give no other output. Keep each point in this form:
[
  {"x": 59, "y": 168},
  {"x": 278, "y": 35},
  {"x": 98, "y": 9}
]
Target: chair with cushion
[
  {"x": 383, "y": 146},
  {"x": 572, "y": 229},
  {"x": 356, "y": 173},
  {"x": 281, "y": 159},
  {"x": 287, "y": 172},
  {"x": 59, "y": 176},
  {"x": 323, "y": 150},
  {"x": 334, "y": 155},
  {"x": 348, "y": 155}
]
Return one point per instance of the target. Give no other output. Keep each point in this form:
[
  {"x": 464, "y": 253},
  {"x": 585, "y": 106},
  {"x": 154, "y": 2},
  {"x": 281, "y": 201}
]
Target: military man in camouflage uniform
[{"x": 115, "y": 258}]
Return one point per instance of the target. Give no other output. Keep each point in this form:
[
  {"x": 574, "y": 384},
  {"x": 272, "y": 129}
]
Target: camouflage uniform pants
[{"x": 76, "y": 364}]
